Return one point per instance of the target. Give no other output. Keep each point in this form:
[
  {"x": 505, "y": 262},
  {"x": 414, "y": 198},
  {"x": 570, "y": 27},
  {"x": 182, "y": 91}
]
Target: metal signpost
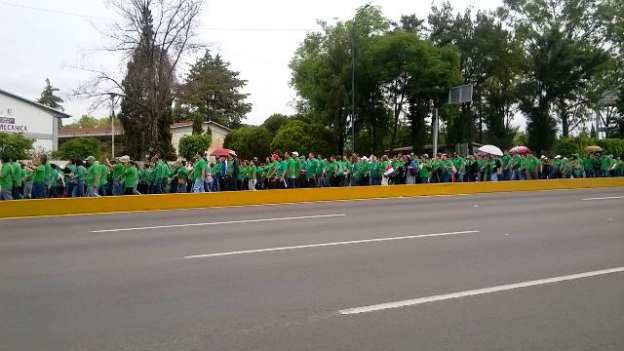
[{"x": 458, "y": 95}]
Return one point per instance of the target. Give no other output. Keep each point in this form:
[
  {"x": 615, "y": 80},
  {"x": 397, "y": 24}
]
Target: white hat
[
  {"x": 124, "y": 159},
  {"x": 543, "y": 157},
  {"x": 558, "y": 156},
  {"x": 364, "y": 158},
  {"x": 295, "y": 153}
]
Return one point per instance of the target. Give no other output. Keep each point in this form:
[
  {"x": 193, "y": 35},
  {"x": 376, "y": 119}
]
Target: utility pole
[
  {"x": 112, "y": 97},
  {"x": 436, "y": 126}
]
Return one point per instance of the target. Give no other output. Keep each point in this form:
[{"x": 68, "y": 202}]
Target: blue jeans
[
  {"x": 92, "y": 191},
  {"x": 78, "y": 190},
  {"x": 291, "y": 183},
  {"x": 39, "y": 190},
  {"x": 118, "y": 188},
  {"x": 5, "y": 194},
  {"x": 198, "y": 186}
]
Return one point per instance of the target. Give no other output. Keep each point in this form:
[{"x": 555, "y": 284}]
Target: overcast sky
[{"x": 49, "y": 39}]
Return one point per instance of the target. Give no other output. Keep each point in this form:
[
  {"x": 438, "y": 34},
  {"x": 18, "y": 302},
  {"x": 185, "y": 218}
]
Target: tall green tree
[
  {"x": 250, "y": 142},
  {"x": 213, "y": 91},
  {"x": 322, "y": 69},
  {"x": 561, "y": 39},
  {"x": 49, "y": 97}
]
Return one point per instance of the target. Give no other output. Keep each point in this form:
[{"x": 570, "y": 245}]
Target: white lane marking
[
  {"x": 467, "y": 293},
  {"x": 603, "y": 198},
  {"x": 243, "y": 221},
  {"x": 338, "y": 243}
]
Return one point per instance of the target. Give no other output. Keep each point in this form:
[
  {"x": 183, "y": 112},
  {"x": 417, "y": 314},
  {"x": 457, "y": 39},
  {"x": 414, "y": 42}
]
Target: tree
[
  {"x": 154, "y": 34},
  {"x": 14, "y": 146},
  {"x": 322, "y": 67},
  {"x": 275, "y": 122},
  {"x": 191, "y": 145},
  {"x": 407, "y": 67},
  {"x": 303, "y": 137},
  {"x": 566, "y": 36},
  {"x": 250, "y": 142},
  {"x": 48, "y": 98},
  {"x": 198, "y": 125},
  {"x": 79, "y": 148},
  {"x": 212, "y": 90}
]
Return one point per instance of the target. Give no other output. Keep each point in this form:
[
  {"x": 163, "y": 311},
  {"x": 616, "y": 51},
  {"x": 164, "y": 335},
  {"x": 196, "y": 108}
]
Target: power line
[
  {"x": 216, "y": 29},
  {"x": 41, "y": 9}
]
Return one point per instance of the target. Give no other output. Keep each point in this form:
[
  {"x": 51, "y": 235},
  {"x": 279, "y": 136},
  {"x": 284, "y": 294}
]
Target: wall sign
[{"x": 7, "y": 124}]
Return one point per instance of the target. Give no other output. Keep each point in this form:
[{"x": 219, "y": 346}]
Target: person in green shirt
[
  {"x": 18, "y": 175},
  {"x": 131, "y": 179},
  {"x": 57, "y": 182},
  {"x": 160, "y": 175},
  {"x": 291, "y": 171},
  {"x": 118, "y": 171},
  {"x": 40, "y": 178},
  {"x": 199, "y": 174},
  {"x": 93, "y": 176},
  {"x": 181, "y": 177},
  {"x": 505, "y": 161},
  {"x": 80, "y": 178},
  {"x": 311, "y": 171},
  {"x": 6, "y": 179},
  {"x": 27, "y": 180},
  {"x": 460, "y": 168},
  {"x": 103, "y": 173}
]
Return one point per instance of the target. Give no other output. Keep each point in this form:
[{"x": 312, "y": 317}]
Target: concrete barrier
[{"x": 74, "y": 206}]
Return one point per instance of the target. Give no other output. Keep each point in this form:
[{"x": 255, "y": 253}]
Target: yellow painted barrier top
[{"x": 77, "y": 206}]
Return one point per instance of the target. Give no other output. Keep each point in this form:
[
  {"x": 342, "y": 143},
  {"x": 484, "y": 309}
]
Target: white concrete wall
[
  {"x": 40, "y": 125},
  {"x": 218, "y": 136}
]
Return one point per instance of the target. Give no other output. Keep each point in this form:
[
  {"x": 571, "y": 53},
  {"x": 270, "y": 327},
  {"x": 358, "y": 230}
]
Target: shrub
[
  {"x": 14, "y": 146},
  {"x": 192, "y": 145}
]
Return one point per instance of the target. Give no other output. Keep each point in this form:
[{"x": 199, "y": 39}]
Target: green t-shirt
[
  {"x": 292, "y": 168},
  {"x": 199, "y": 166},
  {"x": 118, "y": 172},
  {"x": 506, "y": 161},
  {"x": 131, "y": 177},
  {"x": 6, "y": 177},
  {"x": 93, "y": 174},
  {"x": 182, "y": 173},
  {"x": 81, "y": 173},
  {"x": 103, "y": 174},
  {"x": 39, "y": 175},
  {"x": 311, "y": 167},
  {"x": 282, "y": 166},
  {"x": 18, "y": 174},
  {"x": 161, "y": 171},
  {"x": 460, "y": 164},
  {"x": 27, "y": 175}
]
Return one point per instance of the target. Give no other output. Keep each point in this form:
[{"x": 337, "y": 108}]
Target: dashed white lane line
[
  {"x": 468, "y": 293},
  {"x": 338, "y": 243},
  {"x": 603, "y": 198},
  {"x": 243, "y": 221}
]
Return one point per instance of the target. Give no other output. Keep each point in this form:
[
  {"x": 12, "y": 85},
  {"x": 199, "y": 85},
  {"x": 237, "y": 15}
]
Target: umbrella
[
  {"x": 593, "y": 148},
  {"x": 491, "y": 149},
  {"x": 223, "y": 152},
  {"x": 522, "y": 150}
]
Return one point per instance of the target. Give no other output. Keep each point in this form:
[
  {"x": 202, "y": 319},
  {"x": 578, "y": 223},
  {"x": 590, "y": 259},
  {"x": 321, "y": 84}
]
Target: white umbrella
[{"x": 491, "y": 149}]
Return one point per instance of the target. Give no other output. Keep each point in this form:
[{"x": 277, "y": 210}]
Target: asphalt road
[{"x": 517, "y": 271}]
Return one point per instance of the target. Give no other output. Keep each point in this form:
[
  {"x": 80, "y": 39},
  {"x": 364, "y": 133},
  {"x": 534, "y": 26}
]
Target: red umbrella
[
  {"x": 522, "y": 150},
  {"x": 223, "y": 153}
]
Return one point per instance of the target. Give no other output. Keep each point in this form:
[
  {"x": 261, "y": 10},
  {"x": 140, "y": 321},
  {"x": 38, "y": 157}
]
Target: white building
[
  {"x": 180, "y": 129},
  {"x": 33, "y": 120}
]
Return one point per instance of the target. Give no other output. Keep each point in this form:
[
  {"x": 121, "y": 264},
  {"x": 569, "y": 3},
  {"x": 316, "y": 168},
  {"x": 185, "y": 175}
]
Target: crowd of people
[{"x": 89, "y": 177}]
